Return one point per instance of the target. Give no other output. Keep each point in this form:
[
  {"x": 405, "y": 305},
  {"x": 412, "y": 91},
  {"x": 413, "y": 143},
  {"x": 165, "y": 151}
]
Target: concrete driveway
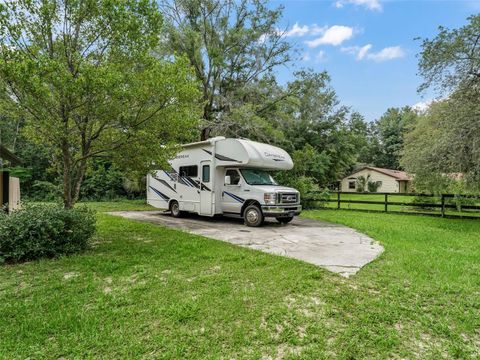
[{"x": 334, "y": 247}]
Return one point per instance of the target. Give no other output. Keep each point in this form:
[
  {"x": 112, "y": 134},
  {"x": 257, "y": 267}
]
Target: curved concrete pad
[{"x": 334, "y": 247}]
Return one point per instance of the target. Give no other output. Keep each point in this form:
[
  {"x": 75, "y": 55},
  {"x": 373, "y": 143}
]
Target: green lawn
[
  {"x": 149, "y": 292},
  {"x": 120, "y": 205}
]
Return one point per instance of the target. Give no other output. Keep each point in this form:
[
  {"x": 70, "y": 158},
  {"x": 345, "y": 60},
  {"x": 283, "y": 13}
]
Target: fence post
[
  {"x": 386, "y": 202},
  {"x": 443, "y": 205},
  {"x": 338, "y": 200}
]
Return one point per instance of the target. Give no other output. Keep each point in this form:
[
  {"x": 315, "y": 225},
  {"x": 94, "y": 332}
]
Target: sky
[{"x": 368, "y": 46}]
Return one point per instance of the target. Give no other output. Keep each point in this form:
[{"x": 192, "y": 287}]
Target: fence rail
[{"x": 444, "y": 205}]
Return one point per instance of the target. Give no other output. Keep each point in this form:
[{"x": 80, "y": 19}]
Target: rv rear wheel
[
  {"x": 175, "y": 209},
  {"x": 285, "y": 219},
  {"x": 253, "y": 216}
]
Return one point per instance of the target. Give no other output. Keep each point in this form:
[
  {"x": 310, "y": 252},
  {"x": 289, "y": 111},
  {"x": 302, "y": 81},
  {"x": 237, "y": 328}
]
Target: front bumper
[{"x": 281, "y": 210}]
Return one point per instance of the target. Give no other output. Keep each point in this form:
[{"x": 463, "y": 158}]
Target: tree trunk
[
  {"x": 67, "y": 177},
  {"x": 205, "y": 134},
  {"x": 78, "y": 181},
  {"x": 207, "y": 113}
]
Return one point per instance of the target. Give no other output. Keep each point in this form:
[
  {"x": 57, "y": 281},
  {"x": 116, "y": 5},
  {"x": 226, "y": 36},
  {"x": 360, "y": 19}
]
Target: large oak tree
[
  {"x": 231, "y": 45},
  {"x": 444, "y": 146},
  {"x": 85, "y": 76}
]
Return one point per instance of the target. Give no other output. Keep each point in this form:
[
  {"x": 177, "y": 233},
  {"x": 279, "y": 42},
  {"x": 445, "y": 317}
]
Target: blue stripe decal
[
  {"x": 168, "y": 174},
  {"x": 221, "y": 157},
  {"x": 187, "y": 180},
  {"x": 163, "y": 182},
  {"x": 193, "y": 182},
  {"x": 162, "y": 195},
  {"x": 235, "y": 197},
  {"x": 182, "y": 181}
]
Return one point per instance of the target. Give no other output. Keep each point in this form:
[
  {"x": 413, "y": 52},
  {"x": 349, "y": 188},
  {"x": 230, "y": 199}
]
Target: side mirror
[{"x": 228, "y": 181}]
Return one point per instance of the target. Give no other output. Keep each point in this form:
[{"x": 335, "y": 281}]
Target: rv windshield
[{"x": 257, "y": 177}]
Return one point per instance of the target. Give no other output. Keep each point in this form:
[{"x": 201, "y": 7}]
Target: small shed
[
  {"x": 390, "y": 181},
  {"x": 9, "y": 185}
]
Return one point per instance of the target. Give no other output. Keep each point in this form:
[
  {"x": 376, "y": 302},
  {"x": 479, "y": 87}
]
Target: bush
[
  {"x": 41, "y": 231},
  {"x": 317, "y": 200},
  {"x": 373, "y": 186}
]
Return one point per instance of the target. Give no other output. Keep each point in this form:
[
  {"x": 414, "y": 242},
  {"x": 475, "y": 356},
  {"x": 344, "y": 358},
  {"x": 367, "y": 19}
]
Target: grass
[
  {"x": 150, "y": 292},
  {"x": 119, "y": 205}
]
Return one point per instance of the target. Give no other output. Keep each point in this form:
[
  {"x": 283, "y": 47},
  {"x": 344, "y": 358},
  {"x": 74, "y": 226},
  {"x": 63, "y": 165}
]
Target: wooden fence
[{"x": 444, "y": 205}]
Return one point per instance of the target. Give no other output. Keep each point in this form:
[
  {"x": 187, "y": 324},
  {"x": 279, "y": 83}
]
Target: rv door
[{"x": 206, "y": 189}]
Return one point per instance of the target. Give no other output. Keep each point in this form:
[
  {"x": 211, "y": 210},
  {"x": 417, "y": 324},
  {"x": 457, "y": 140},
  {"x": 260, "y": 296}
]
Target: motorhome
[{"x": 225, "y": 176}]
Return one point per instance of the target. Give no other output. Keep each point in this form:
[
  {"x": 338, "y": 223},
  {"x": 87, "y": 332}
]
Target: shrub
[
  {"x": 362, "y": 182},
  {"x": 373, "y": 186},
  {"x": 42, "y": 231},
  {"x": 318, "y": 200}
]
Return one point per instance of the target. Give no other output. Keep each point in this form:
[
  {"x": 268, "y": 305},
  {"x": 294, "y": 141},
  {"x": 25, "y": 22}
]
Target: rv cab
[{"x": 226, "y": 176}]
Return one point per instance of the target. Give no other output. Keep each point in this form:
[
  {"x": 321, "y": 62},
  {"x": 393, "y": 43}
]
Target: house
[
  {"x": 9, "y": 185},
  {"x": 390, "y": 181}
]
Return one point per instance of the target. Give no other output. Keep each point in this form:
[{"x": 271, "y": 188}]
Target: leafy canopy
[
  {"x": 85, "y": 75},
  {"x": 452, "y": 58},
  {"x": 231, "y": 45},
  {"x": 443, "y": 149}
]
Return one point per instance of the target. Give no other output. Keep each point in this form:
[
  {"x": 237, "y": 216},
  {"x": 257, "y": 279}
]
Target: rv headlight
[{"x": 270, "y": 198}]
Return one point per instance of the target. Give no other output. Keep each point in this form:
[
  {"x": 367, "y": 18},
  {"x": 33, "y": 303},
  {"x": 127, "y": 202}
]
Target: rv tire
[
  {"x": 284, "y": 219},
  {"x": 253, "y": 216},
  {"x": 175, "y": 209}
]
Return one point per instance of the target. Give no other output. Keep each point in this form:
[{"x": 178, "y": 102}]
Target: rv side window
[
  {"x": 234, "y": 176},
  {"x": 206, "y": 173},
  {"x": 190, "y": 171}
]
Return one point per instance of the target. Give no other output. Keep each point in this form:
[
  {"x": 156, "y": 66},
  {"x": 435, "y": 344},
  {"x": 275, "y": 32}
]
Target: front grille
[{"x": 287, "y": 198}]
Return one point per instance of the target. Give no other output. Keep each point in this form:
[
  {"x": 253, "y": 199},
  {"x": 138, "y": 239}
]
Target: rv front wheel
[
  {"x": 175, "y": 209},
  {"x": 253, "y": 216}
]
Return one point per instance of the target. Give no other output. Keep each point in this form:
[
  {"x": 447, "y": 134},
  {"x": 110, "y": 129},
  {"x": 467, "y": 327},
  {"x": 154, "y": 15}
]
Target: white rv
[{"x": 225, "y": 176}]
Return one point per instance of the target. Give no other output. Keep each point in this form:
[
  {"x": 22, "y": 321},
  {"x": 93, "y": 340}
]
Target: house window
[
  {"x": 190, "y": 171},
  {"x": 206, "y": 173},
  {"x": 351, "y": 185}
]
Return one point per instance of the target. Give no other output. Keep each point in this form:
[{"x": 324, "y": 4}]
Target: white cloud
[
  {"x": 388, "y": 53},
  {"x": 422, "y": 106},
  {"x": 334, "y": 35},
  {"x": 363, "y": 51},
  {"x": 357, "y": 51},
  {"x": 316, "y": 30},
  {"x": 369, "y": 4},
  {"x": 297, "y": 30}
]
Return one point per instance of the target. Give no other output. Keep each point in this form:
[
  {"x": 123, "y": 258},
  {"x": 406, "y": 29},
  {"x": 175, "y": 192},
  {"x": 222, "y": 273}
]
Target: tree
[
  {"x": 317, "y": 119},
  {"x": 390, "y": 131},
  {"x": 231, "y": 45},
  {"x": 452, "y": 58},
  {"x": 444, "y": 144},
  {"x": 86, "y": 79},
  {"x": 257, "y": 113},
  {"x": 310, "y": 169}
]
